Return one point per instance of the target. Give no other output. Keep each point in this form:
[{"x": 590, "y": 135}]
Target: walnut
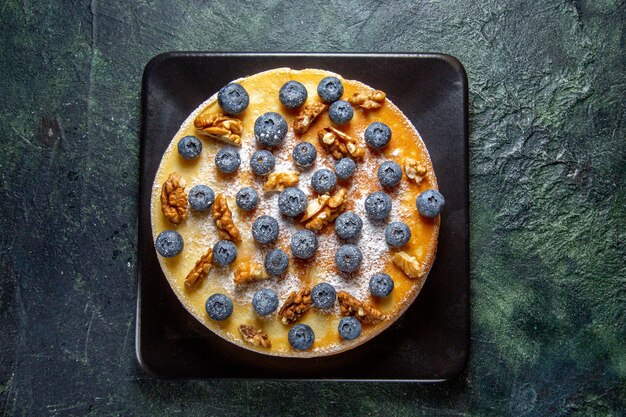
[
  {"x": 368, "y": 99},
  {"x": 254, "y": 336},
  {"x": 351, "y": 306},
  {"x": 408, "y": 264},
  {"x": 220, "y": 127},
  {"x": 307, "y": 116},
  {"x": 278, "y": 181},
  {"x": 248, "y": 272},
  {"x": 296, "y": 304},
  {"x": 323, "y": 210},
  {"x": 315, "y": 206},
  {"x": 414, "y": 170},
  {"x": 201, "y": 270},
  {"x": 224, "y": 219},
  {"x": 339, "y": 144},
  {"x": 174, "y": 198}
]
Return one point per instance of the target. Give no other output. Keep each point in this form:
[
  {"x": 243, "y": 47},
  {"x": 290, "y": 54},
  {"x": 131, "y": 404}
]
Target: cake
[{"x": 330, "y": 154}]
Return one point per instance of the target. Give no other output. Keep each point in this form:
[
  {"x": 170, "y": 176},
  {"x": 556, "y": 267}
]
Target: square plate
[{"x": 431, "y": 340}]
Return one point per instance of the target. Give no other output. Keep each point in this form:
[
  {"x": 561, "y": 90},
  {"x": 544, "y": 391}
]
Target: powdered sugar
[{"x": 371, "y": 242}]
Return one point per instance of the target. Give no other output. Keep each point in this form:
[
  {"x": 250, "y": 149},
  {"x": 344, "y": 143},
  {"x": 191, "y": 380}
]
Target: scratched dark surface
[{"x": 547, "y": 86}]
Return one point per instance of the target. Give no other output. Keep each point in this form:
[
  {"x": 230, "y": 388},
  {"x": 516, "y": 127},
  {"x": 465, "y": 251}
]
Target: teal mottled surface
[{"x": 547, "y": 88}]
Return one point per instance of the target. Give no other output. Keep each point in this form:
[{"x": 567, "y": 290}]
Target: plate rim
[{"x": 160, "y": 58}]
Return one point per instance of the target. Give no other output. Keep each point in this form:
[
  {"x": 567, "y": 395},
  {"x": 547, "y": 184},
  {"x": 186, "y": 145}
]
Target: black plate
[{"x": 431, "y": 340}]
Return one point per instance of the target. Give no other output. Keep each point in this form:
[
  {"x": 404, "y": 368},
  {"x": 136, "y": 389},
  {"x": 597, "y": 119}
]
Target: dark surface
[
  {"x": 431, "y": 91},
  {"x": 547, "y": 195}
]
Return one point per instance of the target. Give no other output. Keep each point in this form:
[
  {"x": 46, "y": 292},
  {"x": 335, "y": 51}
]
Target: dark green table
[{"x": 548, "y": 196}]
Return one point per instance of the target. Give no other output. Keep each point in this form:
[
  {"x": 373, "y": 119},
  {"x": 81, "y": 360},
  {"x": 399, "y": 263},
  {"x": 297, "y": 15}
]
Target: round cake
[{"x": 296, "y": 213}]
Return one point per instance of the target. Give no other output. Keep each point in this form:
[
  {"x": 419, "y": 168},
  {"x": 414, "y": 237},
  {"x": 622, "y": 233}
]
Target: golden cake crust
[{"x": 200, "y": 230}]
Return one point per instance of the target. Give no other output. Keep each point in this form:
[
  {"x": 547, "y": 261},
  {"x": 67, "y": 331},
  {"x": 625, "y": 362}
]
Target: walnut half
[
  {"x": 408, "y": 264},
  {"x": 415, "y": 171},
  {"x": 254, "y": 336},
  {"x": 307, "y": 116},
  {"x": 368, "y": 99},
  {"x": 278, "y": 181},
  {"x": 323, "y": 210},
  {"x": 248, "y": 272},
  {"x": 200, "y": 270},
  {"x": 351, "y": 306},
  {"x": 339, "y": 144},
  {"x": 296, "y": 304},
  {"x": 174, "y": 199},
  {"x": 220, "y": 127},
  {"x": 224, "y": 219}
]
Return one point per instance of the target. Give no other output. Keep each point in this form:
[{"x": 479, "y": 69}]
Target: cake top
[{"x": 287, "y": 188}]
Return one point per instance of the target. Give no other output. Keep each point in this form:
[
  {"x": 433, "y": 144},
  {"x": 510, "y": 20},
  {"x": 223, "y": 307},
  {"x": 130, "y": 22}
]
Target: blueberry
[
  {"x": 349, "y": 328},
  {"x": 301, "y": 337},
  {"x": 330, "y": 89},
  {"x": 292, "y": 94},
  {"x": 340, "y": 112},
  {"x": 227, "y": 160},
  {"x": 397, "y": 234},
  {"x": 430, "y": 203},
  {"x": 265, "y": 230},
  {"x": 345, "y": 168},
  {"x": 224, "y": 252},
  {"x": 189, "y": 147},
  {"x": 233, "y": 99},
  {"x": 348, "y": 225},
  {"x": 270, "y": 129},
  {"x": 276, "y": 262},
  {"x": 323, "y": 181},
  {"x": 169, "y": 243},
  {"x": 265, "y": 302},
  {"x": 303, "y": 244},
  {"x": 323, "y": 295},
  {"x": 378, "y": 205},
  {"x": 348, "y": 258},
  {"x": 219, "y": 307},
  {"x": 304, "y": 154},
  {"x": 201, "y": 197},
  {"x": 247, "y": 198},
  {"x": 389, "y": 174},
  {"x": 381, "y": 285},
  {"x": 292, "y": 202},
  {"x": 377, "y": 135},
  {"x": 262, "y": 162}
]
